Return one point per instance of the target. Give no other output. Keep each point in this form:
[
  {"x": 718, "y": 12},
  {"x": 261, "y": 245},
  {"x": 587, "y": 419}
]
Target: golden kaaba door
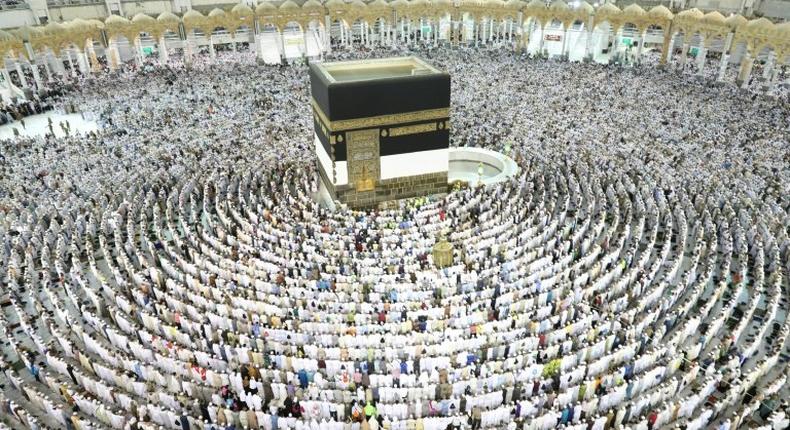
[{"x": 364, "y": 166}]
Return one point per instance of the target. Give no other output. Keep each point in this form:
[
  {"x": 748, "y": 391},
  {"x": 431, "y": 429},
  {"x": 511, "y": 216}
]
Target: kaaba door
[{"x": 364, "y": 166}]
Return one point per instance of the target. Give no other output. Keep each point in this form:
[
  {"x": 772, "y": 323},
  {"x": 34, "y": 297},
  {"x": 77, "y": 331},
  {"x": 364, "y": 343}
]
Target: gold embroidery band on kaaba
[
  {"x": 413, "y": 129},
  {"x": 381, "y": 120}
]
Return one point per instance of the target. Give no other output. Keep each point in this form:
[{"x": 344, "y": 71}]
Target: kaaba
[{"x": 381, "y": 129}]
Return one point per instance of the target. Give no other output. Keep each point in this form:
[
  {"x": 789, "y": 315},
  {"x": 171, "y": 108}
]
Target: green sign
[
  {"x": 148, "y": 50},
  {"x": 694, "y": 51},
  {"x": 426, "y": 28},
  {"x": 627, "y": 41}
]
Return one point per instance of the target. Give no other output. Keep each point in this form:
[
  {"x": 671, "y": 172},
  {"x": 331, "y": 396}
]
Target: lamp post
[{"x": 479, "y": 174}]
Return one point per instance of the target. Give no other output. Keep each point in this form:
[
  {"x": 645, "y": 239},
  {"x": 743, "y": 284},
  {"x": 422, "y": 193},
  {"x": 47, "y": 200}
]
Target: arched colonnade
[{"x": 511, "y": 23}]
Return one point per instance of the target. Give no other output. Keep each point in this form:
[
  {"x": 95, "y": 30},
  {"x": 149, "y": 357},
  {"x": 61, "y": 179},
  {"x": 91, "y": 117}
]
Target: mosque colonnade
[{"x": 522, "y": 26}]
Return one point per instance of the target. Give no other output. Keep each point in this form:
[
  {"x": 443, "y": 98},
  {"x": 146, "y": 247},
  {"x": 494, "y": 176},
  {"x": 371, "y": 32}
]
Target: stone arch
[
  {"x": 578, "y": 21},
  {"x": 554, "y": 23},
  {"x": 630, "y": 29},
  {"x": 292, "y": 25},
  {"x": 269, "y": 27},
  {"x": 319, "y": 23}
]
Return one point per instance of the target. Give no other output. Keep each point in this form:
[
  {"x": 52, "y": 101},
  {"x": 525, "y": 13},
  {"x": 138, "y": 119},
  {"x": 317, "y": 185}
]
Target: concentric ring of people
[{"x": 172, "y": 269}]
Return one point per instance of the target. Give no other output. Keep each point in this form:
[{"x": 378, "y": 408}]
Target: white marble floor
[{"x": 37, "y": 125}]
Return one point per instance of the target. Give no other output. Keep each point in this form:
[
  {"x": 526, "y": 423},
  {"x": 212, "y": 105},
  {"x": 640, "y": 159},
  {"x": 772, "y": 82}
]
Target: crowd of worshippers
[
  {"x": 243, "y": 304},
  {"x": 17, "y": 111},
  {"x": 42, "y": 99}
]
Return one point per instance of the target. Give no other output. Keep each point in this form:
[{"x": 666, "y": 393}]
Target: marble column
[
  {"x": 490, "y": 30},
  {"x": 641, "y": 48},
  {"x": 71, "y": 63},
  {"x": 135, "y": 48},
  {"x": 393, "y": 30},
  {"x": 211, "y": 50},
  {"x": 745, "y": 72},
  {"x": 668, "y": 54},
  {"x": 163, "y": 54},
  {"x": 257, "y": 41},
  {"x": 36, "y": 74},
  {"x": 702, "y": 54},
  {"x": 684, "y": 55},
  {"x": 769, "y": 65},
  {"x": 519, "y": 31},
  {"x": 774, "y": 77},
  {"x": 116, "y": 55},
  {"x": 6, "y": 78},
  {"x": 47, "y": 69},
  {"x": 427, "y": 37},
  {"x": 725, "y": 57},
  {"x": 138, "y": 43},
  {"x": 88, "y": 67},
  {"x": 304, "y": 38},
  {"x": 22, "y": 79},
  {"x": 60, "y": 68},
  {"x": 564, "y": 42},
  {"x": 92, "y": 57},
  {"x": 588, "y": 26},
  {"x": 327, "y": 34},
  {"x": 530, "y": 30},
  {"x": 81, "y": 63},
  {"x": 615, "y": 46}
]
